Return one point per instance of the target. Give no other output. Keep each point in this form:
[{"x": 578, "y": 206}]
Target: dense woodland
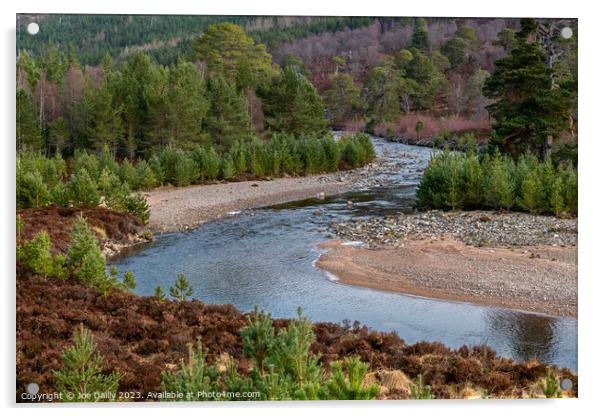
[{"x": 229, "y": 105}]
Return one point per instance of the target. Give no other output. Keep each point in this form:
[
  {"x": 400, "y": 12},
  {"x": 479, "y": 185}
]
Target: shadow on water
[{"x": 266, "y": 258}]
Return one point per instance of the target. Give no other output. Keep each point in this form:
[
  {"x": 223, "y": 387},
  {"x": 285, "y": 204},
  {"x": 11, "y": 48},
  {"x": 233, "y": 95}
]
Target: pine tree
[
  {"x": 182, "y": 289},
  {"x": 473, "y": 177},
  {"x": 258, "y": 338},
  {"x": 159, "y": 293},
  {"x": 82, "y": 378},
  {"x": 527, "y": 109},
  {"x": 556, "y": 197},
  {"x": 58, "y": 135},
  {"x": 293, "y": 105},
  {"x": 420, "y": 37},
  {"x": 381, "y": 94},
  {"x": 531, "y": 192},
  {"x": 187, "y": 104},
  {"x": 84, "y": 257},
  {"x": 429, "y": 80},
  {"x": 342, "y": 99},
  {"x": 499, "y": 192},
  {"x": 82, "y": 190},
  {"x": 192, "y": 378},
  {"x": 28, "y": 130},
  {"x": 106, "y": 127},
  {"x": 227, "y": 119},
  {"x": 350, "y": 386},
  {"x": 228, "y": 51}
]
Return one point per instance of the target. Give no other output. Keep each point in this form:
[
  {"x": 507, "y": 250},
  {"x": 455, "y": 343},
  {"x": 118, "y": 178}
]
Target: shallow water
[{"x": 266, "y": 258}]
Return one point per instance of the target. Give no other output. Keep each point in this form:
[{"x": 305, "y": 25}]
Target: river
[{"x": 265, "y": 257}]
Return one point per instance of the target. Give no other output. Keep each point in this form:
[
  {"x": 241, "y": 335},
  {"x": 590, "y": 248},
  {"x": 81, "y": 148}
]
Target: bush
[
  {"x": 84, "y": 258},
  {"x": 456, "y": 180},
  {"x": 258, "y": 338},
  {"x": 82, "y": 190},
  {"x": 35, "y": 255},
  {"x": 82, "y": 378},
  {"x": 283, "y": 368},
  {"x": 351, "y": 386},
  {"x": 128, "y": 174},
  {"x": 182, "y": 289},
  {"x": 499, "y": 189},
  {"x": 193, "y": 377},
  {"x": 227, "y": 169},
  {"x": 32, "y": 192},
  {"x": 137, "y": 205},
  {"x": 82, "y": 160}
]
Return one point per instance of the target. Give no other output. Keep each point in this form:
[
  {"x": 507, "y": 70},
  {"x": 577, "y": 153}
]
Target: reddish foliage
[
  {"x": 57, "y": 221},
  {"x": 140, "y": 336},
  {"x": 405, "y": 126}
]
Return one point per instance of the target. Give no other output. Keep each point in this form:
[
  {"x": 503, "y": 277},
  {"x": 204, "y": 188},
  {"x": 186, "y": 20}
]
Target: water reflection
[{"x": 528, "y": 335}]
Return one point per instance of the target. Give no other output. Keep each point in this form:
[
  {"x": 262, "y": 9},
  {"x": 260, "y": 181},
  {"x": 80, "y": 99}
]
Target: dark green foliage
[
  {"x": 227, "y": 119},
  {"x": 82, "y": 378},
  {"x": 283, "y": 368},
  {"x": 84, "y": 258},
  {"x": 137, "y": 205},
  {"x": 292, "y": 105},
  {"x": 159, "y": 293},
  {"x": 342, "y": 99},
  {"x": 82, "y": 190},
  {"x": 499, "y": 189},
  {"x": 258, "y": 338},
  {"x": 528, "y": 109},
  {"x": 145, "y": 177},
  {"x": 356, "y": 150},
  {"x": 32, "y": 192},
  {"x": 35, "y": 254},
  {"x": 28, "y": 129},
  {"x": 420, "y": 37},
  {"x": 193, "y": 377},
  {"x": 350, "y": 387},
  {"x": 182, "y": 289},
  {"x": 455, "y": 50},
  {"x": 428, "y": 78},
  {"x": 456, "y": 180},
  {"x": 96, "y": 179}
]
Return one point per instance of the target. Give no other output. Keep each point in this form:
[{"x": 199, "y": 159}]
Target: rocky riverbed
[
  {"x": 476, "y": 228},
  {"x": 511, "y": 260},
  {"x": 179, "y": 209}
]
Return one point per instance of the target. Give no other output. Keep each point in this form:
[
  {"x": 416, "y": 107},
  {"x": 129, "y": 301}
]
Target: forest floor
[{"x": 511, "y": 260}]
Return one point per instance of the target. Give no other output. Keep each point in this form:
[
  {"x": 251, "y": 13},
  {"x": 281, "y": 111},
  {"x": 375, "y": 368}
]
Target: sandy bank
[
  {"x": 538, "y": 279},
  {"x": 177, "y": 209}
]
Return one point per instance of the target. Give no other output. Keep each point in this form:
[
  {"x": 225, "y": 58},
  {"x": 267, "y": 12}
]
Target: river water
[{"x": 265, "y": 257}]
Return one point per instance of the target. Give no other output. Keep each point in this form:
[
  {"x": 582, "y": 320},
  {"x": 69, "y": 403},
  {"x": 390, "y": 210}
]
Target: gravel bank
[
  {"x": 541, "y": 279},
  {"x": 476, "y": 228},
  {"x": 179, "y": 209},
  {"x": 513, "y": 260}
]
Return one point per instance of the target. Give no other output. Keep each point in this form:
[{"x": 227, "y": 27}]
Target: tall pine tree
[{"x": 527, "y": 108}]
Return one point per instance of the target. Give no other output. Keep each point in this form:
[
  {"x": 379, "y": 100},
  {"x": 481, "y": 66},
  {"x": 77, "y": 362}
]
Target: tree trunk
[{"x": 546, "y": 149}]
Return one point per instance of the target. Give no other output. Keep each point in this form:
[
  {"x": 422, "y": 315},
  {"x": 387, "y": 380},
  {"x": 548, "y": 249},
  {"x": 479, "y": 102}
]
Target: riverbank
[
  {"x": 180, "y": 209},
  {"x": 117, "y": 232},
  {"x": 513, "y": 260}
]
